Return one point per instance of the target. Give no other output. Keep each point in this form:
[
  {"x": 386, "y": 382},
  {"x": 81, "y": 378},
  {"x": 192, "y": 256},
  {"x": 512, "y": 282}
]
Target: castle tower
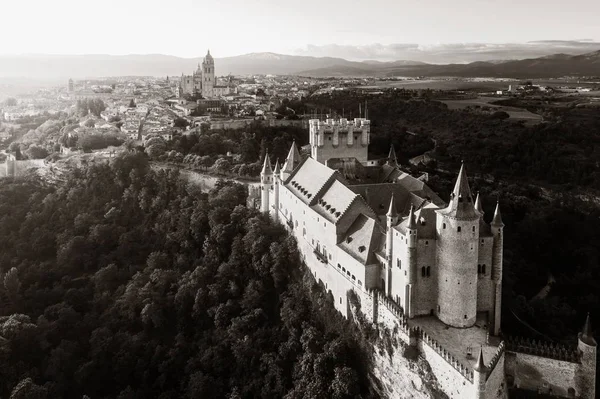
[
  {"x": 457, "y": 230},
  {"x": 586, "y": 375},
  {"x": 392, "y": 220},
  {"x": 479, "y": 377},
  {"x": 411, "y": 263},
  {"x": 266, "y": 183},
  {"x": 339, "y": 139},
  {"x": 497, "y": 260},
  {"x": 291, "y": 162},
  {"x": 276, "y": 184},
  {"x": 208, "y": 76}
]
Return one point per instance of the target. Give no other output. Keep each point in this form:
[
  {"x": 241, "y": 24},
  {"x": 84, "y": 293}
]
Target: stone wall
[
  {"x": 536, "y": 373},
  {"x": 19, "y": 168},
  {"x": 495, "y": 386}
]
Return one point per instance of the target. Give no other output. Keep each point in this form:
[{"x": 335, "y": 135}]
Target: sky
[{"x": 380, "y": 29}]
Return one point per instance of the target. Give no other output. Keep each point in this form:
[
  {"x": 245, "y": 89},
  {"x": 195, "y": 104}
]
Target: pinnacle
[
  {"x": 478, "y": 204},
  {"x": 266, "y": 170},
  {"x": 392, "y": 159},
  {"x": 412, "y": 224},
  {"x": 392, "y": 212},
  {"x": 480, "y": 365},
  {"x": 586, "y": 335},
  {"x": 497, "y": 221},
  {"x": 293, "y": 159}
]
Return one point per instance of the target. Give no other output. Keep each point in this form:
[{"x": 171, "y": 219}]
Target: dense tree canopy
[{"x": 124, "y": 282}]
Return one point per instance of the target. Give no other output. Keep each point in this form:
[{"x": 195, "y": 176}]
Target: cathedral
[
  {"x": 202, "y": 81},
  {"x": 429, "y": 270}
]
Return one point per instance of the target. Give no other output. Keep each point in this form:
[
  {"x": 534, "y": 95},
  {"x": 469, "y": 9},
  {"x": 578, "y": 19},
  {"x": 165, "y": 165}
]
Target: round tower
[
  {"x": 276, "y": 183},
  {"x": 266, "y": 183},
  {"x": 457, "y": 230},
  {"x": 479, "y": 377},
  {"x": 411, "y": 260},
  {"x": 497, "y": 258},
  {"x": 586, "y": 373},
  {"x": 208, "y": 76},
  {"x": 392, "y": 220}
]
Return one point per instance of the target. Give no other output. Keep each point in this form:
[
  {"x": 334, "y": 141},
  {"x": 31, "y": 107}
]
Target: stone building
[
  {"x": 431, "y": 271},
  {"x": 202, "y": 81}
]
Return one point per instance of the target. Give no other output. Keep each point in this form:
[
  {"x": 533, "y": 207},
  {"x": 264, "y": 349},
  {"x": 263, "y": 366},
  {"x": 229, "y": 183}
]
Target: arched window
[
  {"x": 443, "y": 225},
  {"x": 423, "y": 271},
  {"x": 473, "y": 228}
]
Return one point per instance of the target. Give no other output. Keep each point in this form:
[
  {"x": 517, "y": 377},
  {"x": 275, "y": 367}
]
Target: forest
[
  {"x": 125, "y": 282},
  {"x": 564, "y": 151}
]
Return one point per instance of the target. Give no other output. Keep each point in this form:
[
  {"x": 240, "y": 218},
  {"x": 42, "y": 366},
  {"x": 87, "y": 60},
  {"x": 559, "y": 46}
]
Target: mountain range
[{"x": 54, "y": 67}]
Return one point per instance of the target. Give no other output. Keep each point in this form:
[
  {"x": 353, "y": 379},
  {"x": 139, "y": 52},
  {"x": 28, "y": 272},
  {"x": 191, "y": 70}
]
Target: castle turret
[
  {"x": 497, "y": 260},
  {"x": 291, "y": 162},
  {"x": 586, "y": 374},
  {"x": 411, "y": 263},
  {"x": 276, "y": 184},
  {"x": 266, "y": 183},
  {"x": 457, "y": 254},
  {"x": 479, "y": 377},
  {"x": 392, "y": 220}
]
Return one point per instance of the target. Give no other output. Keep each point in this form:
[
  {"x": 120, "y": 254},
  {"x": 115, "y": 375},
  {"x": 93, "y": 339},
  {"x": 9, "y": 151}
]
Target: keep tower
[{"x": 457, "y": 229}]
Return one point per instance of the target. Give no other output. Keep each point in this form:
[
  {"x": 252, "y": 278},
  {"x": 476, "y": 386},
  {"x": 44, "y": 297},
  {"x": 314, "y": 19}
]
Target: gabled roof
[
  {"x": 362, "y": 239},
  {"x": 308, "y": 179}
]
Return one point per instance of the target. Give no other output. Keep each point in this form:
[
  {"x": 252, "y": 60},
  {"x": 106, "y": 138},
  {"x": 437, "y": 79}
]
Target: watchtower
[{"x": 340, "y": 139}]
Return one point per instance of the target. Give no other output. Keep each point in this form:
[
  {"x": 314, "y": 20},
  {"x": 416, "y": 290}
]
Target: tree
[
  {"x": 89, "y": 123},
  {"x": 180, "y": 123},
  {"x": 222, "y": 165},
  {"x": 155, "y": 146},
  {"x": 27, "y": 389},
  {"x": 10, "y": 102},
  {"x": 36, "y": 152}
]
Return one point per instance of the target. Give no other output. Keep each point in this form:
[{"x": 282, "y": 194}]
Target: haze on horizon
[{"x": 380, "y": 29}]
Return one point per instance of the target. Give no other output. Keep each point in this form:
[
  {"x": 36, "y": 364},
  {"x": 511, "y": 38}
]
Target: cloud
[{"x": 451, "y": 52}]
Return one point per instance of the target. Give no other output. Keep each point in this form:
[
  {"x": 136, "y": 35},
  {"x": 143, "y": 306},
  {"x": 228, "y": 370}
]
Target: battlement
[
  {"x": 465, "y": 371},
  {"x": 543, "y": 349},
  {"x": 495, "y": 359},
  {"x": 342, "y": 123},
  {"x": 339, "y": 138}
]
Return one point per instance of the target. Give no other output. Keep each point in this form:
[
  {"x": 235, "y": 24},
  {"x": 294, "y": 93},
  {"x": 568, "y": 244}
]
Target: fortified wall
[{"x": 13, "y": 168}]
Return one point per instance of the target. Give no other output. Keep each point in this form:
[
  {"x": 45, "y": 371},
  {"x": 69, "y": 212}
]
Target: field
[{"x": 514, "y": 112}]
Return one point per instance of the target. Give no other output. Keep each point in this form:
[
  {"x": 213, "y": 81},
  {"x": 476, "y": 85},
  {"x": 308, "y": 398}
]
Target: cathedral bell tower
[{"x": 208, "y": 76}]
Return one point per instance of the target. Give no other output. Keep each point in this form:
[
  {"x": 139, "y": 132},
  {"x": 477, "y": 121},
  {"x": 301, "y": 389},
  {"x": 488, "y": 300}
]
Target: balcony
[{"x": 322, "y": 258}]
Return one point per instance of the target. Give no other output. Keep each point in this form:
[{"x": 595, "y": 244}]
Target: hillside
[{"x": 545, "y": 67}]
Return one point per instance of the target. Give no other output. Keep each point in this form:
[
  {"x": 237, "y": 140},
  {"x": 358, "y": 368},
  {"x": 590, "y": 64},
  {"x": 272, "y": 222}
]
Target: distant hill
[
  {"x": 56, "y": 67},
  {"x": 545, "y": 67}
]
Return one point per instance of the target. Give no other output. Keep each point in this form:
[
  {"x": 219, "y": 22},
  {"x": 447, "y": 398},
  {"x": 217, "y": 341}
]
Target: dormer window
[
  {"x": 361, "y": 249},
  {"x": 349, "y": 239}
]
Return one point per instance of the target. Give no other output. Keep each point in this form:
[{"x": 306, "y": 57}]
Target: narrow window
[
  {"x": 426, "y": 242},
  {"x": 465, "y": 317},
  {"x": 483, "y": 269},
  {"x": 423, "y": 271},
  {"x": 473, "y": 228},
  {"x": 340, "y": 300},
  {"x": 428, "y": 271},
  {"x": 399, "y": 263},
  {"x": 478, "y": 269},
  {"x": 458, "y": 229},
  {"x": 444, "y": 225}
]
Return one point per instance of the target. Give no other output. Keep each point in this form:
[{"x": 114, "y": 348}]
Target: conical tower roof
[
  {"x": 478, "y": 204},
  {"x": 392, "y": 212},
  {"x": 461, "y": 204},
  {"x": 586, "y": 335},
  {"x": 292, "y": 160},
  {"x": 392, "y": 159},
  {"x": 480, "y": 365},
  {"x": 412, "y": 223},
  {"x": 277, "y": 167},
  {"x": 497, "y": 221},
  {"x": 266, "y": 170}
]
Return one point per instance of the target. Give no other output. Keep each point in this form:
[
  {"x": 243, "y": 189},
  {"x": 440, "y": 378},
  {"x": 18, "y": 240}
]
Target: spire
[
  {"x": 480, "y": 365},
  {"x": 266, "y": 170},
  {"x": 461, "y": 201},
  {"x": 277, "y": 168},
  {"x": 586, "y": 335},
  {"x": 497, "y": 221},
  {"x": 292, "y": 160},
  {"x": 392, "y": 212},
  {"x": 412, "y": 224},
  {"x": 392, "y": 159},
  {"x": 478, "y": 204}
]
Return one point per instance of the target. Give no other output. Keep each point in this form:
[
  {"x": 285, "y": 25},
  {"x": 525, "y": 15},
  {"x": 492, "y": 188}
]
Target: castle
[
  {"x": 202, "y": 81},
  {"x": 428, "y": 270}
]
